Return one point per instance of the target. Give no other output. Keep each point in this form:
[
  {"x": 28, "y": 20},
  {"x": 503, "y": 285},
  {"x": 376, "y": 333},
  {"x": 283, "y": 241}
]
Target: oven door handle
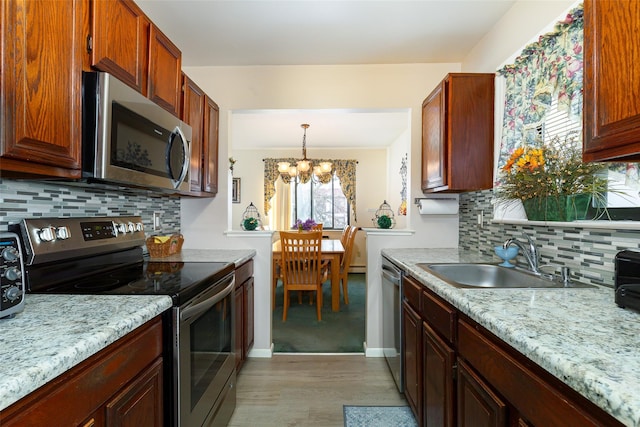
[{"x": 203, "y": 306}]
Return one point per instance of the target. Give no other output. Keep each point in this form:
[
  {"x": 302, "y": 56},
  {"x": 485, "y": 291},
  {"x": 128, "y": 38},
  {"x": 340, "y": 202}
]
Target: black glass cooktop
[{"x": 126, "y": 273}]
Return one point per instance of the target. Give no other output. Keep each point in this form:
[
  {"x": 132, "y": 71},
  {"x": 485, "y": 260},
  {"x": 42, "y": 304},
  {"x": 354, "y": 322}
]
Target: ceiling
[{"x": 322, "y": 32}]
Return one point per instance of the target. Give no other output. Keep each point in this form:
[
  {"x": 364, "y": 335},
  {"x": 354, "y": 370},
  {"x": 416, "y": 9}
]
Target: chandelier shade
[{"x": 304, "y": 169}]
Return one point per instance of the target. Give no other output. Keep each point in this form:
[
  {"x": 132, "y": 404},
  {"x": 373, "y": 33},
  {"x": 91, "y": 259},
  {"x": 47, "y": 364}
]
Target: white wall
[
  {"x": 307, "y": 87},
  {"x": 521, "y": 25}
]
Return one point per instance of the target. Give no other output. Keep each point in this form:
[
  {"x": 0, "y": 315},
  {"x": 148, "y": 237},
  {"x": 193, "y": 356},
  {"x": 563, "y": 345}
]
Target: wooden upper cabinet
[
  {"x": 201, "y": 113},
  {"x": 457, "y": 134},
  {"x": 193, "y": 115},
  {"x": 165, "y": 64},
  {"x": 41, "y": 87},
  {"x": 121, "y": 41},
  {"x": 210, "y": 144},
  {"x": 612, "y": 80},
  {"x": 433, "y": 135},
  {"x": 129, "y": 46}
]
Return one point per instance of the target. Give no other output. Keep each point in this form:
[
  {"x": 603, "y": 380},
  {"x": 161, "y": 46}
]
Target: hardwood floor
[{"x": 310, "y": 390}]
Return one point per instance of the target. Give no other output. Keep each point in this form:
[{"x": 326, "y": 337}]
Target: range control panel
[
  {"x": 11, "y": 275},
  {"x": 55, "y": 239}
]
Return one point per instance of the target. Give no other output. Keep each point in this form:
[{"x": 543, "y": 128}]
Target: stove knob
[
  {"x": 122, "y": 228},
  {"x": 63, "y": 233},
  {"x": 12, "y": 274},
  {"x": 47, "y": 234},
  {"x": 131, "y": 227},
  {"x": 13, "y": 293},
  {"x": 139, "y": 226},
  {"x": 10, "y": 254}
]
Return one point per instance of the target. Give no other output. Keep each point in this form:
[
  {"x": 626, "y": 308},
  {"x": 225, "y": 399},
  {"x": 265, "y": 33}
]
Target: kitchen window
[{"x": 543, "y": 99}]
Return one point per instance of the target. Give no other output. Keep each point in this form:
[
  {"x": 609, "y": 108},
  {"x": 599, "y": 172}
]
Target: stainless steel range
[{"x": 105, "y": 256}]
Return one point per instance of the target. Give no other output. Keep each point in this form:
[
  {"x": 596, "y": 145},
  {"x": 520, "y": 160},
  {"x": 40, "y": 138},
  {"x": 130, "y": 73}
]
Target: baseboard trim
[
  {"x": 373, "y": 352},
  {"x": 264, "y": 353}
]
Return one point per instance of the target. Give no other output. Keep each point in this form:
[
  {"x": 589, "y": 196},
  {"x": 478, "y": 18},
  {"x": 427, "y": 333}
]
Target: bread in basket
[{"x": 164, "y": 246}]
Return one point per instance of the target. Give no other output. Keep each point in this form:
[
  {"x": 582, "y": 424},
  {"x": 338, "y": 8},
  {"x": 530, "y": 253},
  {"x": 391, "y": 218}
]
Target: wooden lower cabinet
[
  {"x": 412, "y": 337},
  {"x": 478, "y": 405},
  {"x": 438, "y": 380},
  {"x": 120, "y": 386},
  {"x": 457, "y": 373},
  {"x": 244, "y": 302}
]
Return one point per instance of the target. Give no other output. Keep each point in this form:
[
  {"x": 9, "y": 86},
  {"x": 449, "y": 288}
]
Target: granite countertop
[
  {"x": 579, "y": 335},
  {"x": 237, "y": 256},
  {"x": 56, "y": 332}
]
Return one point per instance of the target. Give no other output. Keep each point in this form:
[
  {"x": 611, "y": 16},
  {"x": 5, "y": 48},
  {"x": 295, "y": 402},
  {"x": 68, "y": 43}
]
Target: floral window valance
[
  {"x": 344, "y": 169},
  {"x": 548, "y": 68}
]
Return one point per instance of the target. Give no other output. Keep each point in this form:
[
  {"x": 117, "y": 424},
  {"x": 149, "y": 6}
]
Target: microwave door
[{"x": 178, "y": 156}]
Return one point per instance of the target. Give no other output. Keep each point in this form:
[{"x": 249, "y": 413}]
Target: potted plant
[
  {"x": 552, "y": 181},
  {"x": 306, "y": 225}
]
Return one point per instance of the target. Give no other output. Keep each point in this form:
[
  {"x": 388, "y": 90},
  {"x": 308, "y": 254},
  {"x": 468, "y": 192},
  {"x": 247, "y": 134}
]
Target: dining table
[{"x": 330, "y": 250}]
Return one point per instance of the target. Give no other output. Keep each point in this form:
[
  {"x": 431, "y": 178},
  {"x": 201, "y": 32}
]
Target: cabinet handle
[{"x": 90, "y": 423}]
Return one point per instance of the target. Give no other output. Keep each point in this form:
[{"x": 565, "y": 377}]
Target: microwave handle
[{"x": 177, "y": 134}]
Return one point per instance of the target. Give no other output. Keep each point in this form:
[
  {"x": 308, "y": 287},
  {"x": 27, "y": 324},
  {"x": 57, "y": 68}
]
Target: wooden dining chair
[
  {"x": 345, "y": 235},
  {"x": 345, "y": 262},
  {"x": 301, "y": 266}
]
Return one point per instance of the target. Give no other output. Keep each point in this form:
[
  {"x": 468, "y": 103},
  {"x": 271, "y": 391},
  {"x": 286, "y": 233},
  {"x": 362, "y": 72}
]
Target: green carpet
[{"x": 337, "y": 332}]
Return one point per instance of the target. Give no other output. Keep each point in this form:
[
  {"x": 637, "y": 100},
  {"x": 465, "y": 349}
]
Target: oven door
[{"x": 203, "y": 357}]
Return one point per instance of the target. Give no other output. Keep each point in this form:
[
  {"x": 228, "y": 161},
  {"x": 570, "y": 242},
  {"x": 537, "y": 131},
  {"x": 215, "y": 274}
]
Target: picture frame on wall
[{"x": 235, "y": 190}]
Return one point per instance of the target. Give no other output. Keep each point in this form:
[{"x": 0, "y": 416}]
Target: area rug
[
  {"x": 378, "y": 416},
  {"x": 338, "y": 332}
]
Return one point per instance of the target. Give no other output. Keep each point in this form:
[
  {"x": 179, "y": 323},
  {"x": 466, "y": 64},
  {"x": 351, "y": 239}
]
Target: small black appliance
[{"x": 627, "y": 279}]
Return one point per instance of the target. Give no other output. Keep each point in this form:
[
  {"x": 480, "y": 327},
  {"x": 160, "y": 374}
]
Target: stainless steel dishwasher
[{"x": 392, "y": 320}]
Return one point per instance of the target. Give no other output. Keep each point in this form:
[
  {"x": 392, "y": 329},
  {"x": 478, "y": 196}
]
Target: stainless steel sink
[{"x": 492, "y": 276}]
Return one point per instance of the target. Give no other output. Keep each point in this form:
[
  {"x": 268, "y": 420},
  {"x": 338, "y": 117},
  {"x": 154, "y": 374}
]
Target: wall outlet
[
  {"x": 157, "y": 223},
  {"x": 481, "y": 219}
]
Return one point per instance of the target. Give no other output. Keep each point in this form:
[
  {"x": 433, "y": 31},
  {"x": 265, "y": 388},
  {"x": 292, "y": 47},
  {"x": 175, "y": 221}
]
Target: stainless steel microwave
[{"x": 129, "y": 140}]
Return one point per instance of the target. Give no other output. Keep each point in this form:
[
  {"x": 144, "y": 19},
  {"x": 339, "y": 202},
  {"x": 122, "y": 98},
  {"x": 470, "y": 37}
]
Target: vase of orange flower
[{"x": 552, "y": 181}]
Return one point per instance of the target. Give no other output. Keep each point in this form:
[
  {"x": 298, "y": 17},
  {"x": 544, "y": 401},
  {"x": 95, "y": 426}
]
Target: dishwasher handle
[{"x": 391, "y": 274}]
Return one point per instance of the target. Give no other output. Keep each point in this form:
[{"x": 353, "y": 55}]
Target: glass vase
[{"x": 557, "y": 208}]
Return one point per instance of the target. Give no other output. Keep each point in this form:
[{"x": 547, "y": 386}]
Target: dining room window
[
  {"x": 324, "y": 203},
  {"x": 332, "y": 203}
]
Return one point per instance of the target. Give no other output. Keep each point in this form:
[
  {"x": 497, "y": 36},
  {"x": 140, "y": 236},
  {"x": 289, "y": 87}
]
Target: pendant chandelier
[{"x": 304, "y": 170}]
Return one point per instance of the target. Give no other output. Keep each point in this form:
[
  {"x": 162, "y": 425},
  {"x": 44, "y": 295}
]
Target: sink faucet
[{"x": 529, "y": 250}]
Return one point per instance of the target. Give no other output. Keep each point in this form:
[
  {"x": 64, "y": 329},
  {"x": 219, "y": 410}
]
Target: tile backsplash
[
  {"x": 588, "y": 252},
  {"x": 27, "y": 199}
]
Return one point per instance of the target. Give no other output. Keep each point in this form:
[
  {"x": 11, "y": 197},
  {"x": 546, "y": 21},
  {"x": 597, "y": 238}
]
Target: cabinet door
[
  {"x": 165, "y": 63},
  {"x": 478, "y": 405},
  {"x": 193, "y": 115},
  {"x": 412, "y": 337},
  {"x": 121, "y": 41},
  {"x": 612, "y": 80},
  {"x": 434, "y": 174},
  {"x": 239, "y": 297},
  {"x": 210, "y": 145},
  {"x": 248, "y": 316},
  {"x": 439, "y": 392},
  {"x": 140, "y": 403},
  {"x": 41, "y": 87}
]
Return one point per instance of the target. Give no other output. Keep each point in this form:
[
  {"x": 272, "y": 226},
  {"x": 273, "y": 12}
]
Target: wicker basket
[{"x": 160, "y": 247}]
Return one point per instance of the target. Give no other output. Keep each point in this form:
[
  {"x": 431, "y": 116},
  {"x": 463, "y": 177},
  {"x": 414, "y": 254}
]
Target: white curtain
[{"x": 280, "y": 214}]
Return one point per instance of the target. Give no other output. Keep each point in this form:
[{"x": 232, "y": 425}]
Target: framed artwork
[{"x": 235, "y": 190}]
